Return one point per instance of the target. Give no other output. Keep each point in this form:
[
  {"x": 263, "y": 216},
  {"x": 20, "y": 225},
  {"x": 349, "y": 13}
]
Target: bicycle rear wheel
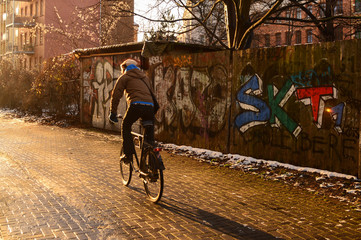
[
  {"x": 153, "y": 181},
  {"x": 126, "y": 171}
]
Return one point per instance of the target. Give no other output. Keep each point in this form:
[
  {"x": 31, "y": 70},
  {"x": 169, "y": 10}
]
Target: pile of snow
[{"x": 239, "y": 161}]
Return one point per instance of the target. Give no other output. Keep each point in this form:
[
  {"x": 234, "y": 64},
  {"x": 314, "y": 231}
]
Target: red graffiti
[{"x": 315, "y": 96}]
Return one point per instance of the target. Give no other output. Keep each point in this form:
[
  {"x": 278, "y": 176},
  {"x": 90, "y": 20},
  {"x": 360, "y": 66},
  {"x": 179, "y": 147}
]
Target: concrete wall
[{"x": 299, "y": 105}]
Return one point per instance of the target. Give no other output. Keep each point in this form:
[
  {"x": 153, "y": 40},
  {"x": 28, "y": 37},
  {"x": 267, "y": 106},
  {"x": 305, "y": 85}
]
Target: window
[
  {"x": 288, "y": 14},
  {"x": 298, "y": 37},
  {"x": 22, "y": 11},
  {"x": 338, "y": 8},
  {"x": 36, "y": 9},
  {"x": 40, "y": 63},
  {"x": 339, "y": 33},
  {"x": 309, "y": 8},
  {"x": 309, "y": 36},
  {"x": 322, "y": 10},
  {"x": 299, "y": 13},
  {"x": 278, "y": 20},
  {"x": 255, "y": 41},
  {"x": 357, "y": 5},
  {"x": 267, "y": 40},
  {"x": 40, "y": 36},
  {"x": 41, "y": 7},
  {"x": 26, "y": 11},
  {"x": 31, "y": 10},
  {"x": 36, "y": 38},
  {"x": 288, "y": 38},
  {"x": 358, "y": 32},
  {"x": 278, "y": 39}
]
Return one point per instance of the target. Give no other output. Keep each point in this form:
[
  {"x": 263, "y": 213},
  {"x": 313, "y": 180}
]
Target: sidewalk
[{"x": 64, "y": 183}]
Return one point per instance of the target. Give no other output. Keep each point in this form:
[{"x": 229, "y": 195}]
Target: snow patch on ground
[
  {"x": 340, "y": 186},
  {"x": 236, "y": 160}
]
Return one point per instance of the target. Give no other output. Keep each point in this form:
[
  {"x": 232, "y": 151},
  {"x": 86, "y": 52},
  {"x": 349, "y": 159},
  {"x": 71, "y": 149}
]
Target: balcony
[
  {"x": 20, "y": 22},
  {"x": 26, "y": 49},
  {"x": 12, "y": 49}
]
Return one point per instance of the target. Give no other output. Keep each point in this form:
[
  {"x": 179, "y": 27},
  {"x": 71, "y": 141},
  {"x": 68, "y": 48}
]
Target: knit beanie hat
[{"x": 128, "y": 62}]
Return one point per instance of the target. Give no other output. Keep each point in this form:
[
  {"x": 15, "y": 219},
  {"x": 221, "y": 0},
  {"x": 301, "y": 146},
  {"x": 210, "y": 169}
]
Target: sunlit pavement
[{"x": 64, "y": 183}]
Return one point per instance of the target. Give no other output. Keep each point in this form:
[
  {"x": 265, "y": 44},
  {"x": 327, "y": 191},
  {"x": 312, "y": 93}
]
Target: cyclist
[{"x": 136, "y": 86}]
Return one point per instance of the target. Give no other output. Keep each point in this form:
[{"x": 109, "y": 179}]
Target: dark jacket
[{"x": 133, "y": 87}]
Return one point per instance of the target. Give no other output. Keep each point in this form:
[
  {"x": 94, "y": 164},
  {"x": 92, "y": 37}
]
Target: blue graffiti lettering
[{"x": 257, "y": 112}]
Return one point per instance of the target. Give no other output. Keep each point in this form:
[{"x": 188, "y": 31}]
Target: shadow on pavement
[{"x": 216, "y": 222}]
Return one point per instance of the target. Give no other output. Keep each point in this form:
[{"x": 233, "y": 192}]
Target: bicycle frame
[
  {"x": 149, "y": 165},
  {"x": 140, "y": 138}
]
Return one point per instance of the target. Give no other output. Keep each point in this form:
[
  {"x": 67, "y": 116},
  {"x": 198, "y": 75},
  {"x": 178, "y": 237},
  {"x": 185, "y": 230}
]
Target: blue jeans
[{"x": 134, "y": 112}]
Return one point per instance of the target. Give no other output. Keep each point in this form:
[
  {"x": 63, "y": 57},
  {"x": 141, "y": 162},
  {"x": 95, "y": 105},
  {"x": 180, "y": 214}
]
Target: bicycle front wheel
[
  {"x": 125, "y": 171},
  {"x": 153, "y": 181}
]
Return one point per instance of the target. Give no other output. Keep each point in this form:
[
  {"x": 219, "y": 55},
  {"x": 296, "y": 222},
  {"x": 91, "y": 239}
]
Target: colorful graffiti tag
[
  {"x": 98, "y": 85},
  {"x": 197, "y": 96},
  {"x": 257, "y": 111}
]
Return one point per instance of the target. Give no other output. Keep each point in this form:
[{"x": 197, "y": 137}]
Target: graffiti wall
[
  {"x": 299, "y": 105},
  {"x": 99, "y": 77},
  {"x": 194, "y": 92}
]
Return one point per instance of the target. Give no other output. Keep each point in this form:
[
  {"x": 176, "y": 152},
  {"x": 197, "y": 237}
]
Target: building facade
[
  {"x": 288, "y": 32},
  {"x": 283, "y": 30},
  {"x": 33, "y": 31}
]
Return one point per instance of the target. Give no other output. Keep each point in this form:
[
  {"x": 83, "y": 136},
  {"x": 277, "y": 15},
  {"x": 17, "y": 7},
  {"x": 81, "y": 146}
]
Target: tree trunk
[{"x": 237, "y": 13}]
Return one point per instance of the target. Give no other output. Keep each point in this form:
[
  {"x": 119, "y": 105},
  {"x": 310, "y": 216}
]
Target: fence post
[
  {"x": 81, "y": 92},
  {"x": 230, "y": 78},
  {"x": 359, "y": 148}
]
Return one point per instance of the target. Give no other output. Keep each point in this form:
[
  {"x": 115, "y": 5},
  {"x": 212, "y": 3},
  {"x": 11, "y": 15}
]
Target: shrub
[
  {"x": 55, "y": 89},
  {"x": 14, "y": 85}
]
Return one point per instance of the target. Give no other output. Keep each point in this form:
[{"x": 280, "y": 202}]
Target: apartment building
[
  {"x": 35, "y": 30},
  {"x": 287, "y": 32}
]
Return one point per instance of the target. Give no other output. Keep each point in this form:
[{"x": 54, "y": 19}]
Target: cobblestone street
[{"x": 64, "y": 183}]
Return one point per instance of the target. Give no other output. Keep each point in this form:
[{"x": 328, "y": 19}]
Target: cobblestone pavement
[{"x": 63, "y": 183}]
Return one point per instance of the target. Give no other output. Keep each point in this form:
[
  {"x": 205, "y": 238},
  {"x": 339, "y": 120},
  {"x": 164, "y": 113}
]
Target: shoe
[{"x": 126, "y": 158}]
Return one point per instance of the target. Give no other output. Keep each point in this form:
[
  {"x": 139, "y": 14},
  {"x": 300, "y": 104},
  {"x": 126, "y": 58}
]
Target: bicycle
[{"x": 150, "y": 165}]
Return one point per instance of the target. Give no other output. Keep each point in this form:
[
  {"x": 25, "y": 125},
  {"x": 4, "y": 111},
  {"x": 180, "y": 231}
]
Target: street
[{"x": 64, "y": 183}]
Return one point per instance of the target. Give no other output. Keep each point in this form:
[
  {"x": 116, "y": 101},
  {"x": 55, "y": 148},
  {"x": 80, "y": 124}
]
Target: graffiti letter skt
[
  {"x": 316, "y": 96},
  {"x": 257, "y": 110},
  {"x": 277, "y": 99}
]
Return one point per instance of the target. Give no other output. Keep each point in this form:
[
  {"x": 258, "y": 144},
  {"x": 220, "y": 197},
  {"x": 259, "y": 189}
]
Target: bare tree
[
  {"x": 242, "y": 17},
  {"x": 236, "y": 19},
  {"x": 204, "y": 23}
]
